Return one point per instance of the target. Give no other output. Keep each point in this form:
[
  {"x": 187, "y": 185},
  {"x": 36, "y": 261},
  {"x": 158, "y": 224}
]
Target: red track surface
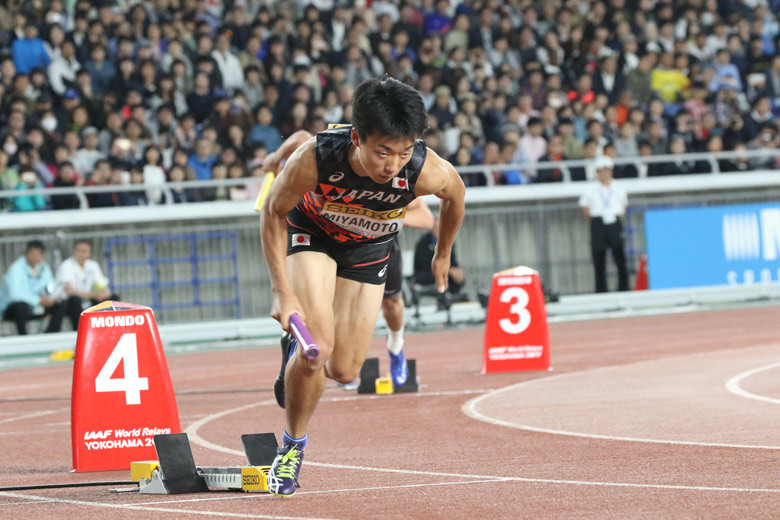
[{"x": 634, "y": 422}]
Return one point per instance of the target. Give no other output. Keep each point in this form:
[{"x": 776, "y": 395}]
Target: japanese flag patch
[
  {"x": 301, "y": 239},
  {"x": 400, "y": 183}
]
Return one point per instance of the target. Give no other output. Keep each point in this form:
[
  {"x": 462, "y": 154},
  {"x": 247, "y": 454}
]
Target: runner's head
[
  {"x": 388, "y": 108},
  {"x": 387, "y": 118}
]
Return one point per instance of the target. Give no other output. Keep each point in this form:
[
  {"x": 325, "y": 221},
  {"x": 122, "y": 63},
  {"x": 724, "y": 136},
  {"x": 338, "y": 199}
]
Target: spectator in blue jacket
[
  {"x": 438, "y": 21},
  {"x": 202, "y": 160},
  {"x": 264, "y": 131},
  {"x": 101, "y": 69},
  {"x": 29, "y": 52},
  {"x": 26, "y": 292}
]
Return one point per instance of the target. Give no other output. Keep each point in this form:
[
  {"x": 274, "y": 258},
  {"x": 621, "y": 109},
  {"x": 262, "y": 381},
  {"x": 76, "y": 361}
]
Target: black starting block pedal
[
  {"x": 370, "y": 379},
  {"x": 260, "y": 448},
  {"x": 369, "y": 373},
  {"x": 175, "y": 472},
  {"x": 411, "y": 384}
]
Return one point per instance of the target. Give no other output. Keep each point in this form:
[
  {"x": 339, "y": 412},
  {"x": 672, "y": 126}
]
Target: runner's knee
[{"x": 343, "y": 372}]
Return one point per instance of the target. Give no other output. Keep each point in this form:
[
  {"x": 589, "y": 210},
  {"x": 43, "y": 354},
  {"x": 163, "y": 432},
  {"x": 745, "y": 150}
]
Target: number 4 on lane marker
[{"x": 125, "y": 352}]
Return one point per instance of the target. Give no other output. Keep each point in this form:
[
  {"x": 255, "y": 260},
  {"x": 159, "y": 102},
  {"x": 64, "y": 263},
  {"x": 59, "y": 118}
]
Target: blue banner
[{"x": 719, "y": 245}]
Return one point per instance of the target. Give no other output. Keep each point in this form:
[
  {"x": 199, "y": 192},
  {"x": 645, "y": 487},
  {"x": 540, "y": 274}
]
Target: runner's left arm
[{"x": 440, "y": 178}]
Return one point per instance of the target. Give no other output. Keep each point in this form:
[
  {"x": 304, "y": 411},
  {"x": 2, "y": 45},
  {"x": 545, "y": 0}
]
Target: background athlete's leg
[
  {"x": 356, "y": 309},
  {"x": 393, "y": 311},
  {"x": 393, "y": 303},
  {"x": 313, "y": 278}
]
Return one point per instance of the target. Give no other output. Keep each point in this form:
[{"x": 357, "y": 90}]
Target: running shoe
[
  {"x": 349, "y": 386},
  {"x": 288, "y": 348},
  {"x": 282, "y": 479},
  {"x": 398, "y": 369}
]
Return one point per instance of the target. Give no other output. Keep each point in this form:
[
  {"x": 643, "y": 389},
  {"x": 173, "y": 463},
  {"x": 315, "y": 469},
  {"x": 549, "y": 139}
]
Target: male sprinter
[
  {"x": 327, "y": 226},
  {"x": 418, "y": 215}
]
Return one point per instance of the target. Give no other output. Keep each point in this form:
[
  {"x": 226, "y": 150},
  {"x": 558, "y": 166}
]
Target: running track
[{"x": 670, "y": 416}]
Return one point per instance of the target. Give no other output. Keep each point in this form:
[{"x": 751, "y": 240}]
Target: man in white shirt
[
  {"x": 83, "y": 281},
  {"x": 62, "y": 71},
  {"x": 228, "y": 63},
  {"x": 604, "y": 204}
]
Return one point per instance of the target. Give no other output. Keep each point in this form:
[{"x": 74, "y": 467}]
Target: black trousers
[
  {"x": 21, "y": 312},
  {"x": 605, "y": 237},
  {"x": 74, "y": 307}
]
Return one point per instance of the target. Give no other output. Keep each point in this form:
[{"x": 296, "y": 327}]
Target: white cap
[{"x": 604, "y": 162}]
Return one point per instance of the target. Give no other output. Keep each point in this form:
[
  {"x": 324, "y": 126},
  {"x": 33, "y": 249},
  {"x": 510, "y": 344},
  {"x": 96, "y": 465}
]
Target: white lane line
[
  {"x": 155, "y": 509},
  {"x": 29, "y": 416},
  {"x": 329, "y": 491},
  {"x": 192, "y": 433},
  {"x": 194, "y": 436},
  {"x": 410, "y": 394},
  {"x": 732, "y": 385},
  {"x": 470, "y": 409}
]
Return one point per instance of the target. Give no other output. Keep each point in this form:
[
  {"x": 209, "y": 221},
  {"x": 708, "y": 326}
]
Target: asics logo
[
  {"x": 382, "y": 272},
  {"x": 273, "y": 482},
  {"x": 336, "y": 177}
]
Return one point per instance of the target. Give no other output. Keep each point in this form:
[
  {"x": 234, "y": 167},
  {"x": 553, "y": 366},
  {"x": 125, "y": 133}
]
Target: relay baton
[
  {"x": 267, "y": 181},
  {"x": 310, "y": 349}
]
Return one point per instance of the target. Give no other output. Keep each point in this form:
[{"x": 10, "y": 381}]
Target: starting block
[
  {"x": 175, "y": 472},
  {"x": 372, "y": 383}
]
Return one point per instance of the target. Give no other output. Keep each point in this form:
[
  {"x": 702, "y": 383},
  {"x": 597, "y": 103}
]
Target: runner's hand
[
  {"x": 283, "y": 306},
  {"x": 272, "y": 162},
  {"x": 440, "y": 266}
]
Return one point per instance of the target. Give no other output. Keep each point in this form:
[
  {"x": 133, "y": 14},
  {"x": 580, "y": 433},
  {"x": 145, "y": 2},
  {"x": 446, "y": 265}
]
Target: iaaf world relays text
[{"x": 113, "y": 439}]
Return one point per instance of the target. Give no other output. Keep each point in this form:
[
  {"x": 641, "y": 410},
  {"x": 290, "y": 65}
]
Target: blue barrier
[
  {"x": 195, "y": 281},
  {"x": 717, "y": 245}
]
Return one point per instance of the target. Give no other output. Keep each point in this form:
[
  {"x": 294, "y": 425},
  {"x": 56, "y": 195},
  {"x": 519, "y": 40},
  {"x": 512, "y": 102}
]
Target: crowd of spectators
[{"x": 110, "y": 92}]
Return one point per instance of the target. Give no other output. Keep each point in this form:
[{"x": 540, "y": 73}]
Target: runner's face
[{"x": 382, "y": 158}]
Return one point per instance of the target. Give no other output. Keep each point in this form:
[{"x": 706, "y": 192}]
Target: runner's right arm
[
  {"x": 273, "y": 161},
  {"x": 298, "y": 176}
]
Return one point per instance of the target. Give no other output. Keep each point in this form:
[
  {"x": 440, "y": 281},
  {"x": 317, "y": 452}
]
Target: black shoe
[{"x": 287, "y": 340}]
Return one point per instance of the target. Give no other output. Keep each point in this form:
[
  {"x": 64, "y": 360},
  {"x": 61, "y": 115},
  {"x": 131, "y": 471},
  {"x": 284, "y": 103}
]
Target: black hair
[
  {"x": 83, "y": 241},
  {"x": 35, "y": 244},
  {"x": 388, "y": 108}
]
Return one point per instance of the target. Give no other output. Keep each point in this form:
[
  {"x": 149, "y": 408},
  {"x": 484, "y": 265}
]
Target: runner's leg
[
  {"x": 313, "y": 278},
  {"x": 356, "y": 309}
]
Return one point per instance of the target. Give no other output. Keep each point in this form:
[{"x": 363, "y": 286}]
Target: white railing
[
  {"x": 167, "y": 189},
  {"x": 485, "y": 169},
  {"x": 568, "y": 190},
  {"x": 711, "y": 158}
]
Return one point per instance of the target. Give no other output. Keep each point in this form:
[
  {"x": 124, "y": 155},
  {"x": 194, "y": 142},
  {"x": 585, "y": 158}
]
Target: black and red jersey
[{"x": 351, "y": 208}]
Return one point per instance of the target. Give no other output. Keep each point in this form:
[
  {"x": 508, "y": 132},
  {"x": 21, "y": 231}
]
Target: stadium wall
[{"x": 155, "y": 253}]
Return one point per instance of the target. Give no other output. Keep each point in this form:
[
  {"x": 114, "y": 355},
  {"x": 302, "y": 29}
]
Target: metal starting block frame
[
  {"x": 175, "y": 472},
  {"x": 370, "y": 380}
]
